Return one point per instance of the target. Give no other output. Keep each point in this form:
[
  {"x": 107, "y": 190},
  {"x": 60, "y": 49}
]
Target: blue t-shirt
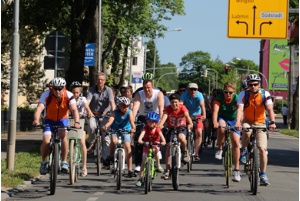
[
  {"x": 121, "y": 122},
  {"x": 192, "y": 103}
]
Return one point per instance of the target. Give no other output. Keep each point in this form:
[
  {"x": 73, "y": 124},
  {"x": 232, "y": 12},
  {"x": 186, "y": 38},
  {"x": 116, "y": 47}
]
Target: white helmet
[
  {"x": 58, "y": 82},
  {"x": 253, "y": 77},
  {"x": 123, "y": 100}
]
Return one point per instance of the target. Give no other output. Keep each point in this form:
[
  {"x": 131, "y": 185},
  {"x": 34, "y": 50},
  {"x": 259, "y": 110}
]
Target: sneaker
[
  {"x": 236, "y": 176},
  {"x": 243, "y": 156},
  {"x": 264, "y": 180},
  {"x": 64, "y": 167},
  {"x": 43, "y": 168},
  {"x": 139, "y": 183},
  {"x": 186, "y": 157},
  {"x": 131, "y": 174},
  {"x": 218, "y": 154},
  {"x": 137, "y": 168},
  {"x": 196, "y": 158},
  {"x": 160, "y": 169},
  {"x": 166, "y": 175}
]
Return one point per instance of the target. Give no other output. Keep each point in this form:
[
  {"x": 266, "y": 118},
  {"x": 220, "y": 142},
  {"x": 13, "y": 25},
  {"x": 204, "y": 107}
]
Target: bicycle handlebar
[{"x": 68, "y": 128}]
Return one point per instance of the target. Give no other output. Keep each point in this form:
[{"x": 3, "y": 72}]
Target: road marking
[
  {"x": 92, "y": 199},
  {"x": 99, "y": 193}
]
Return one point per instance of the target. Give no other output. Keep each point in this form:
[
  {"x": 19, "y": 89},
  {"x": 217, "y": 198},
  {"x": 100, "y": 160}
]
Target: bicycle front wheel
[
  {"x": 254, "y": 171},
  {"x": 72, "y": 161},
  {"x": 175, "y": 171},
  {"x": 147, "y": 177},
  {"x": 54, "y": 167},
  {"x": 228, "y": 164},
  {"x": 98, "y": 154},
  {"x": 119, "y": 169},
  {"x": 190, "y": 147}
]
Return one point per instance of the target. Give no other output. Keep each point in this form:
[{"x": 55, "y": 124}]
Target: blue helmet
[{"x": 152, "y": 116}]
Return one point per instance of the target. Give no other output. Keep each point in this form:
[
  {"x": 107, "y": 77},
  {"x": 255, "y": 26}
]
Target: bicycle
[
  {"x": 252, "y": 159},
  {"x": 119, "y": 156},
  {"x": 149, "y": 172},
  {"x": 75, "y": 154},
  {"x": 97, "y": 142},
  {"x": 54, "y": 155},
  {"x": 175, "y": 154},
  {"x": 227, "y": 154},
  {"x": 190, "y": 148}
]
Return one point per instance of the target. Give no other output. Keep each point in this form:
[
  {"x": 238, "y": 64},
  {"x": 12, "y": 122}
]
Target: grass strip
[{"x": 290, "y": 132}]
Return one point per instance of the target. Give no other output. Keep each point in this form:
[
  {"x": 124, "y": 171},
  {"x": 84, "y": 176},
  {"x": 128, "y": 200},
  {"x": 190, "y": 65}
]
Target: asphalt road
[{"x": 205, "y": 182}]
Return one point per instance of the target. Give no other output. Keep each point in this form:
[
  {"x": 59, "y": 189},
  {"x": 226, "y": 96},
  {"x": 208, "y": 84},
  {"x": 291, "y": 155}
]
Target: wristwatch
[{"x": 271, "y": 122}]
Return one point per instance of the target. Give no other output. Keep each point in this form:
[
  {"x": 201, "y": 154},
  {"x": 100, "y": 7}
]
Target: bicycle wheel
[
  {"x": 54, "y": 168},
  {"x": 226, "y": 165},
  {"x": 72, "y": 161},
  {"x": 190, "y": 151},
  {"x": 175, "y": 171},
  {"x": 98, "y": 154},
  {"x": 229, "y": 164},
  {"x": 147, "y": 177},
  {"x": 77, "y": 161},
  {"x": 119, "y": 169},
  {"x": 254, "y": 180}
]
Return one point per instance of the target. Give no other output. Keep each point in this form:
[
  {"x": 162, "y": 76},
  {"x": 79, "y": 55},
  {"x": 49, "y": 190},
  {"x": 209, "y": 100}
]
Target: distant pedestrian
[{"x": 285, "y": 112}]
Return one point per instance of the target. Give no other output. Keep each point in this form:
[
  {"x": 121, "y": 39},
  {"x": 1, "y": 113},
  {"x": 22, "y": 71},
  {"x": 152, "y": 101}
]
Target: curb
[{"x": 10, "y": 192}]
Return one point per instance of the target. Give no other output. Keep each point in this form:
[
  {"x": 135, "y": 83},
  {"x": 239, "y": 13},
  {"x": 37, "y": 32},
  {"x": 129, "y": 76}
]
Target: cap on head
[{"x": 193, "y": 85}]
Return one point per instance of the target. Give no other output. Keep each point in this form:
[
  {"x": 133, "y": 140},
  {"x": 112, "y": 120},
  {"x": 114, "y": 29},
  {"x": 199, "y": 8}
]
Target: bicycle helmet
[
  {"x": 75, "y": 84},
  {"x": 152, "y": 116},
  {"x": 58, "y": 82},
  {"x": 253, "y": 77},
  {"x": 244, "y": 84},
  {"x": 123, "y": 101},
  {"x": 147, "y": 76}
]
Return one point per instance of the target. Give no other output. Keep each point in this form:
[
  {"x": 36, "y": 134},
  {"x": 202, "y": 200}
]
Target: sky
[{"x": 204, "y": 28}]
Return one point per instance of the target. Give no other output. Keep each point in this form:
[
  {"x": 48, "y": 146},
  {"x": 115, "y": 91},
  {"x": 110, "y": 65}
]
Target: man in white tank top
[{"x": 144, "y": 101}]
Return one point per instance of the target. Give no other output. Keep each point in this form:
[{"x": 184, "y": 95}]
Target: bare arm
[
  {"x": 162, "y": 138},
  {"x": 109, "y": 121},
  {"x": 188, "y": 120},
  {"x": 162, "y": 121},
  {"x": 136, "y": 104},
  {"x": 74, "y": 110},
  {"x": 37, "y": 114},
  {"x": 87, "y": 109},
  {"x": 215, "y": 115},
  {"x": 203, "y": 115},
  {"x": 131, "y": 119},
  {"x": 161, "y": 104},
  {"x": 239, "y": 117},
  {"x": 140, "y": 140},
  {"x": 271, "y": 113}
]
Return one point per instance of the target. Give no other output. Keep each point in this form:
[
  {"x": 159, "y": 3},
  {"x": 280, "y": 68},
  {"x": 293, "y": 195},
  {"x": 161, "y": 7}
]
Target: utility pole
[
  {"x": 11, "y": 141},
  {"x": 99, "y": 36}
]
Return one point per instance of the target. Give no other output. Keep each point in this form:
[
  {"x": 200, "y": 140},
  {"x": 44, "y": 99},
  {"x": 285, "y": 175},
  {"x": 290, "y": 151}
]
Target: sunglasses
[
  {"x": 251, "y": 85},
  {"x": 228, "y": 92},
  {"x": 182, "y": 90},
  {"x": 57, "y": 88},
  {"x": 193, "y": 89}
]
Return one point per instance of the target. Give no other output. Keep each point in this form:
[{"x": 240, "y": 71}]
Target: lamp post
[
  {"x": 217, "y": 75},
  {"x": 99, "y": 36},
  {"x": 154, "y": 57}
]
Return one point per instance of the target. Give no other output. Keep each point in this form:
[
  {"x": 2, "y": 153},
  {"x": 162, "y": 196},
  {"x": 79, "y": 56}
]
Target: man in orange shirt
[
  {"x": 251, "y": 112},
  {"x": 57, "y": 102}
]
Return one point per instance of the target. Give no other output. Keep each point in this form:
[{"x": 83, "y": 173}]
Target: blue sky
[{"x": 204, "y": 28}]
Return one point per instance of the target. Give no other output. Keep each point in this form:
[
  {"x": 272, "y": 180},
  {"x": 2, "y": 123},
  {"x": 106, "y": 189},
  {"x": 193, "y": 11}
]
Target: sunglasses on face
[
  {"x": 182, "y": 90},
  {"x": 57, "y": 88},
  {"x": 228, "y": 92},
  {"x": 251, "y": 85},
  {"x": 193, "y": 89}
]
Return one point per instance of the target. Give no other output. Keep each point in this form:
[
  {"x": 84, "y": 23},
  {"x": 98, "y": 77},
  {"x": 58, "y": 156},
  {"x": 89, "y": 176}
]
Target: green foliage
[
  {"x": 26, "y": 167},
  {"x": 278, "y": 105},
  {"x": 290, "y": 132}
]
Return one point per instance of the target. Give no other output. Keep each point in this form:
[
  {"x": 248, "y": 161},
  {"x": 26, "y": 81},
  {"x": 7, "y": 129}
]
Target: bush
[{"x": 278, "y": 105}]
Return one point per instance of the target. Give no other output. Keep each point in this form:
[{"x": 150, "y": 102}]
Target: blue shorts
[
  {"x": 232, "y": 124},
  {"x": 49, "y": 123},
  {"x": 125, "y": 137}
]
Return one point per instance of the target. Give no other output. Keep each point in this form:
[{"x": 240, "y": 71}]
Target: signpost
[
  {"x": 89, "y": 57},
  {"x": 257, "y": 19}
]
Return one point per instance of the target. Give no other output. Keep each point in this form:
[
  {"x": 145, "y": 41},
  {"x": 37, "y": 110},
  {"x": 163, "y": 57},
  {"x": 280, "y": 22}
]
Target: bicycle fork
[
  {"x": 173, "y": 150},
  {"x": 116, "y": 158}
]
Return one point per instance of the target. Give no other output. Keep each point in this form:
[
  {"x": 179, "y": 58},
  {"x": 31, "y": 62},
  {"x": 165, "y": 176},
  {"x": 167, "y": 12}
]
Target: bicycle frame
[
  {"x": 149, "y": 172},
  {"x": 175, "y": 147}
]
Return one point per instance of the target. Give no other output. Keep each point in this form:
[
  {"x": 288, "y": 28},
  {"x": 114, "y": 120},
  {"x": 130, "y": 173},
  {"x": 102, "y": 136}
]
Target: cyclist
[
  {"x": 181, "y": 89},
  {"x": 144, "y": 101},
  {"x": 83, "y": 109},
  {"x": 151, "y": 132},
  {"x": 224, "y": 113},
  {"x": 194, "y": 102},
  {"x": 122, "y": 118},
  {"x": 57, "y": 101},
  {"x": 176, "y": 116},
  {"x": 252, "y": 111},
  {"x": 101, "y": 100}
]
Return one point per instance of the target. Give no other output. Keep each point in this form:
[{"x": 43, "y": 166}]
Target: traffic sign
[
  {"x": 257, "y": 19},
  {"x": 136, "y": 80},
  {"x": 89, "y": 58}
]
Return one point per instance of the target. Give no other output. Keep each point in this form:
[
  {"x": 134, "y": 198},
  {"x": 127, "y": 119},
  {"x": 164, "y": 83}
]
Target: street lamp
[
  {"x": 217, "y": 75},
  {"x": 154, "y": 57}
]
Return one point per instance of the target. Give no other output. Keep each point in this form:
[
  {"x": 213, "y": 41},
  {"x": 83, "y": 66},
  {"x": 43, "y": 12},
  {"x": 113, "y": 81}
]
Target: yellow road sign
[{"x": 257, "y": 19}]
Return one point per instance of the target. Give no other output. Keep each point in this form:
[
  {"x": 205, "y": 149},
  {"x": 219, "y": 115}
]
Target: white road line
[{"x": 92, "y": 199}]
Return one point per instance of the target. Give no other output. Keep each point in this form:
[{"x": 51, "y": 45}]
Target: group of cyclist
[{"x": 145, "y": 113}]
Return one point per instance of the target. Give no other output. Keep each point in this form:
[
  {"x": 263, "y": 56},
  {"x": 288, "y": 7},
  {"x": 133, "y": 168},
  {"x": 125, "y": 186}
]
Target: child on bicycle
[
  {"x": 151, "y": 132},
  {"x": 176, "y": 115},
  {"x": 122, "y": 118},
  {"x": 83, "y": 109}
]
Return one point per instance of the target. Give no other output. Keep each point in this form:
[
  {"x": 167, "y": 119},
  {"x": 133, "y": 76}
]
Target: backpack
[
  {"x": 49, "y": 98},
  {"x": 246, "y": 104}
]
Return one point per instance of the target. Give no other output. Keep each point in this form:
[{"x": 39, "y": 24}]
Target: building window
[{"x": 134, "y": 61}]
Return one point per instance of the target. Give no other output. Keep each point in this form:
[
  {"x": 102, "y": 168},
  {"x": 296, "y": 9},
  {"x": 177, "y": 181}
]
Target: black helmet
[{"x": 75, "y": 84}]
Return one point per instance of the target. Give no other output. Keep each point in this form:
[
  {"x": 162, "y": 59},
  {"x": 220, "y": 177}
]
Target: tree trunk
[{"x": 295, "y": 112}]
